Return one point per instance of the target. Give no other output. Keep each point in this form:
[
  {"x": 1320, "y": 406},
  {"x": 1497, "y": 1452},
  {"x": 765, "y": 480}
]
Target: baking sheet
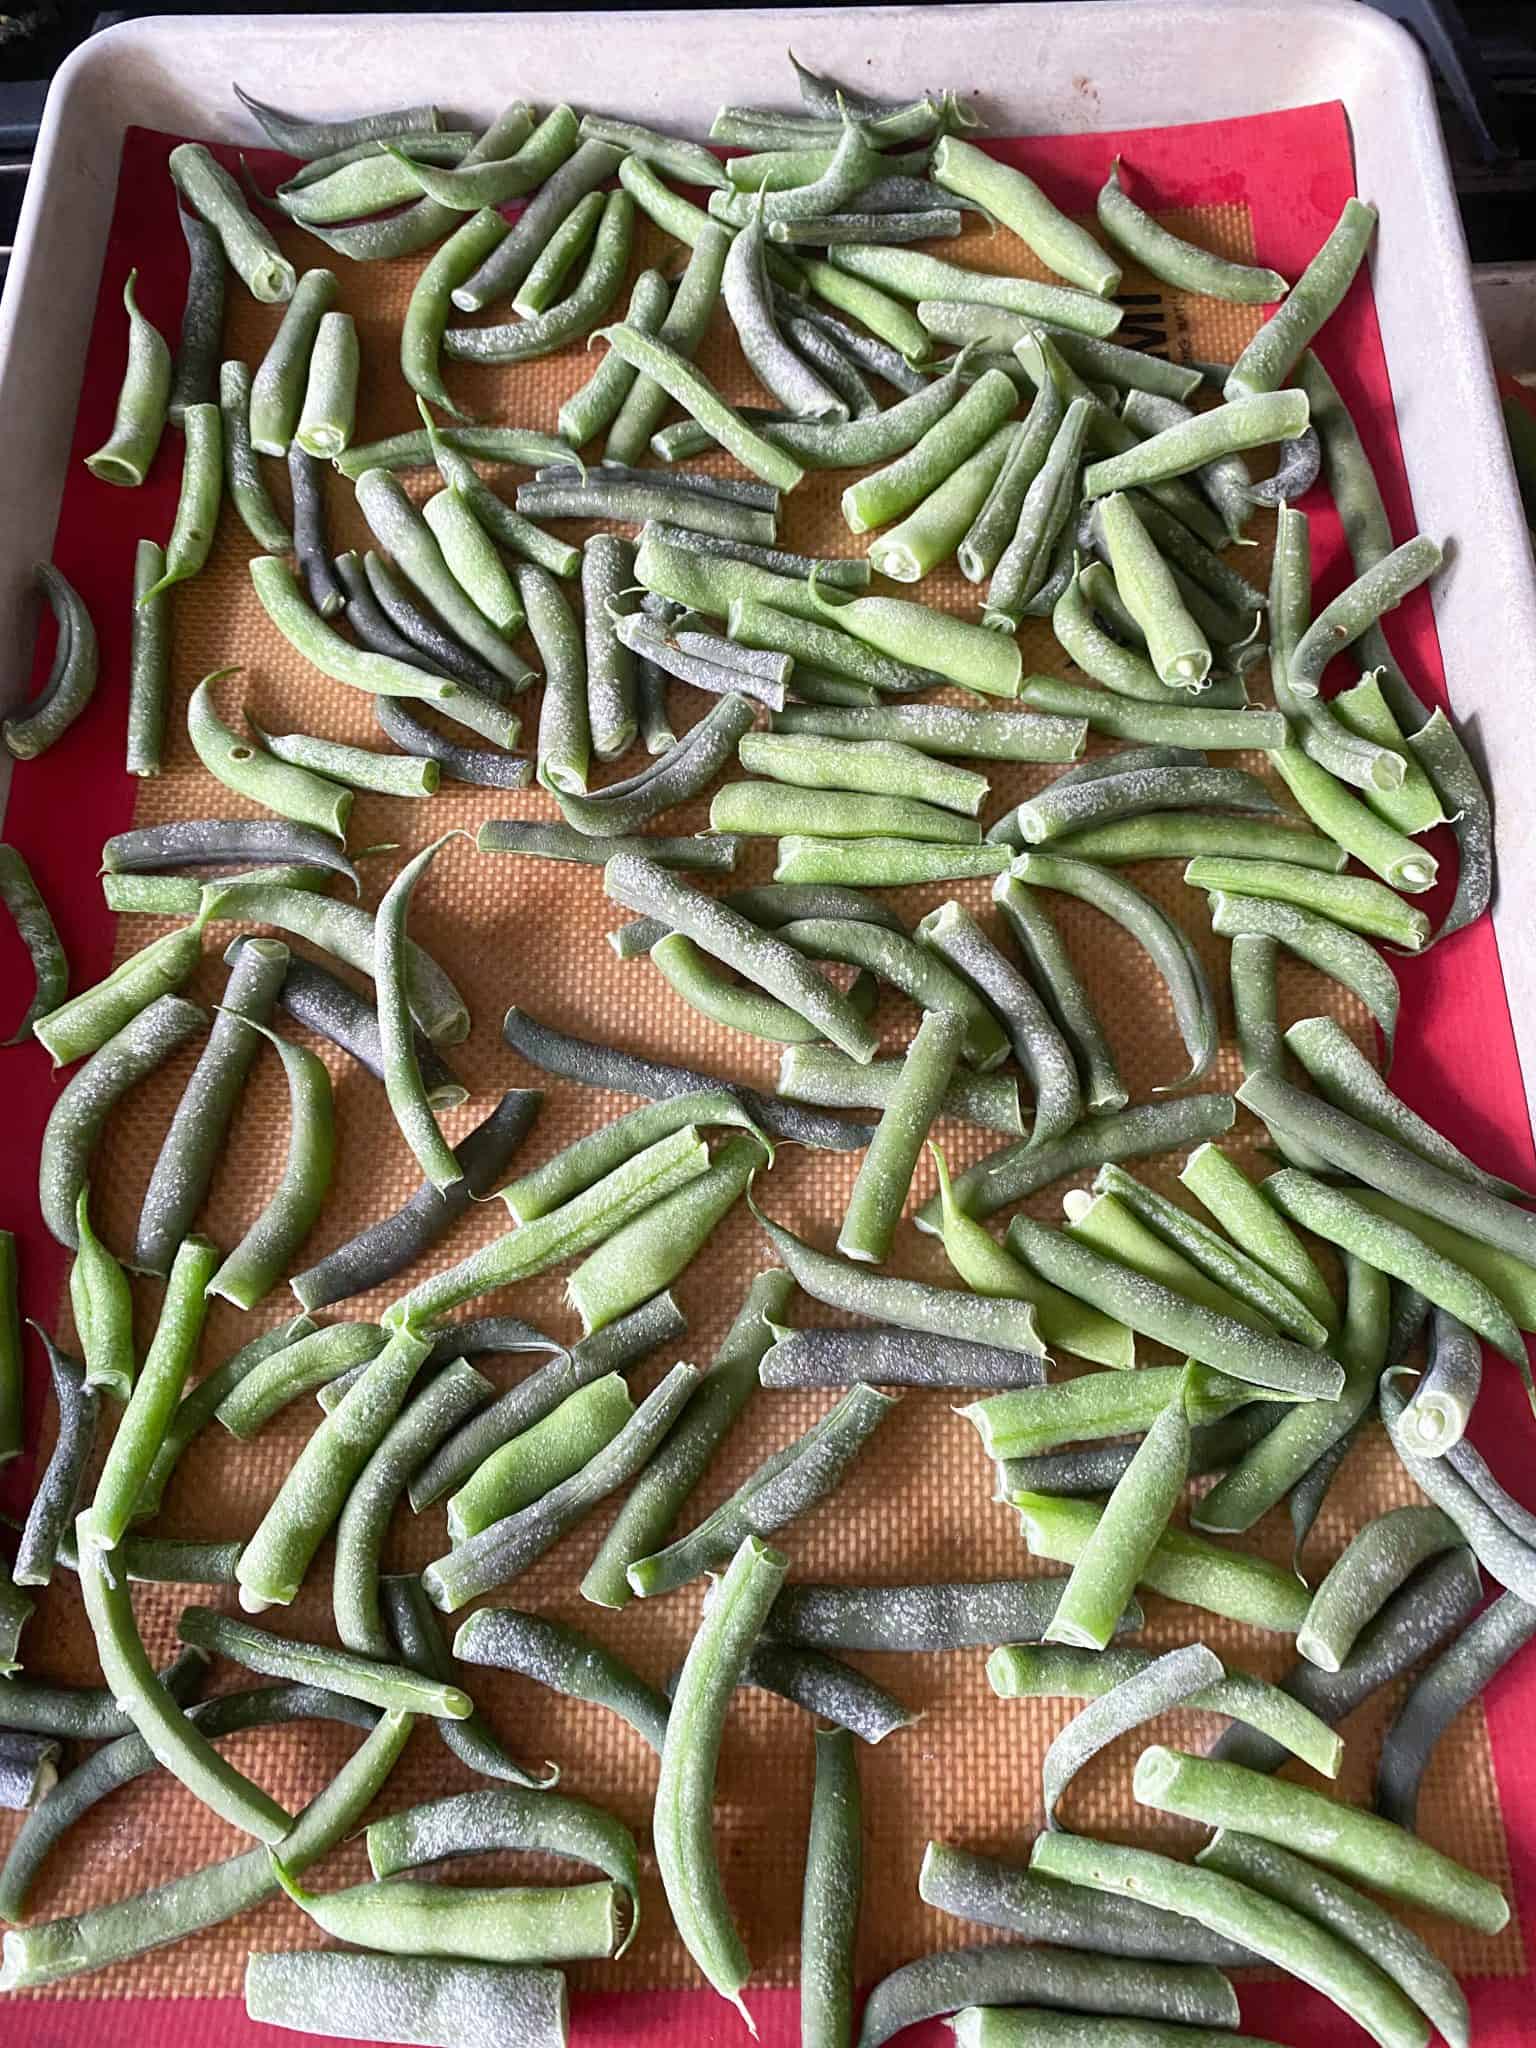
[{"x": 916, "y": 1505}]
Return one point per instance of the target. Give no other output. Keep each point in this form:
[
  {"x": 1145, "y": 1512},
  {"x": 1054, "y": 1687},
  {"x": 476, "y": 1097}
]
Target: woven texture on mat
[{"x": 916, "y": 1505}]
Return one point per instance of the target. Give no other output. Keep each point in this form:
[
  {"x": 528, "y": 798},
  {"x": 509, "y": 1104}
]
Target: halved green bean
[
  {"x": 553, "y": 1450},
  {"x": 197, "y": 507},
  {"x": 1272, "y": 354},
  {"x": 1357, "y": 608},
  {"x": 1342, "y": 1838},
  {"x": 1024, "y": 580},
  {"x": 810, "y": 642},
  {"x": 519, "y": 158},
  {"x": 842, "y": 572},
  {"x": 1325, "y": 1899},
  {"x": 774, "y": 904},
  {"x": 330, "y": 394},
  {"x": 505, "y": 527},
  {"x": 1117, "y": 1552},
  {"x": 998, "y": 1894},
  {"x": 123, "y": 1057},
  {"x": 1153, "y": 724},
  {"x": 683, "y": 1819},
  {"x": 273, "y": 1563},
  {"x": 1378, "y": 1559},
  {"x": 821, "y": 1075},
  {"x": 247, "y": 768},
  {"x": 1153, "y": 1687},
  {"x": 704, "y": 659},
  {"x": 564, "y": 719},
  {"x": 472, "y": 560},
  {"x": 347, "y": 932},
  {"x": 784, "y": 1485},
  {"x": 58, "y": 1490},
  {"x": 1187, "y": 835},
  {"x": 1105, "y": 362},
  {"x": 692, "y": 975},
  {"x": 125, "y": 456},
  {"x": 358, "y": 767},
  {"x": 768, "y": 808},
  {"x": 874, "y": 767},
  {"x": 1016, "y": 1671},
  {"x": 1181, "y": 1566},
  {"x": 54, "y": 1949},
  {"x": 43, "y": 719},
  {"x": 473, "y": 1823},
  {"x": 882, "y": 863},
  {"x": 1320, "y": 942},
  {"x": 277, "y": 389},
  {"x": 195, "y": 378},
  {"x": 1065, "y": 998},
  {"x": 1008, "y": 1974},
  {"x": 581, "y": 1164},
  {"x": 243, "y": 481},
  {"x": 910, "y": 1304},
  {"x": 1281, "y": 1936},
  {"x": 506, "y": 1548},
  {"x": 252, "y": 253},
  {"x": 932, "y": 532},
  {"x": 312, "y": 1359},
  {"x": 1177, "y": 262},
  {"x": 262, "y": 1256},
  {"x": 198, "y": 1407},
  {"x": 830, "y": 1907},
  {"x": 156, "y": 1392},
  {"x": 1178, "y": 650},
  {"x": 1347, "y": 1079},
  {"x": 418, "y": 1998},
  {"x": 102, "y": 1305},
  {"x": 1437, "y": 1416},
  {"x": 913, "y": 275},
  {"x": 523, "y": 447}
]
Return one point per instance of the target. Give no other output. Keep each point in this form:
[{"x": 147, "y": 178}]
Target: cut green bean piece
[
  {"x": 1377, "y": 1561},
  {"x": 830, "y": 1906},
  {"x": 885, "y": 1177},
  {"x": 1285, "y": 1938},
  {"x": 125, "y": 456},
  {"x": 498, "y": 1924},
  {"x": 564, "y": 1660},
  {"x": 1257, "y": 1227},
  {"x": 1275, "y": 350},
  {"x": 1177, "y": 262},
  {"x": 821, "y": 1075},
  {"x": 553, "y": 1450},
  {"x": 390, "y": 1687},
  {"x": 1341, "y": 1838},
  {"x": 420, "y": 1999}
]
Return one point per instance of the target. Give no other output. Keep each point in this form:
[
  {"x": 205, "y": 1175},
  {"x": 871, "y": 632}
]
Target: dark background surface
[{"x": 1484, "y": 57}]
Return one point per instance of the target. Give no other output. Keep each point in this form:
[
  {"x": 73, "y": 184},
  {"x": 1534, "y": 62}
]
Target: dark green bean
[
  {"x": 833, "y": 1882},
  {"x": 955, "y": 1616},
  {"x": 58, "y": 1490},
  {"x": 566, "y": 1661},
  {"x": 1464, "y": 800},
  {"x": 71, "y": 683},
  {"x": 35, "y": 927},
  {"x": 418, "y": 1636}
]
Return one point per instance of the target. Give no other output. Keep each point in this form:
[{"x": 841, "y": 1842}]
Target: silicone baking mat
[{"x": 917, "y": 1504}]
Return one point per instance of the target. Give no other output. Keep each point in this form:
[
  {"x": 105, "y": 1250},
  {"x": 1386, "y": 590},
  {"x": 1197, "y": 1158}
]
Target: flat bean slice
[
  {"x": 955, "y": 1616},
  {"x": 125, "y": 456},
  {"x": 1281, "y": 1936},
  {"x": 1321, "y": 1897},
  {"x": 421, "y": 1999},
  {"x": 1272, "y": 354},
  {"x": 1010, "y": 1974},
  {"x": 788, "y": 1482},
  {"x": 507, "y": 1547},
  {"x": 71, "y": 683},
  {"x": 1342, "y": 1838},
  {"x": 565, "y": 1660},
  {"x": 55, "y": 1949}
]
